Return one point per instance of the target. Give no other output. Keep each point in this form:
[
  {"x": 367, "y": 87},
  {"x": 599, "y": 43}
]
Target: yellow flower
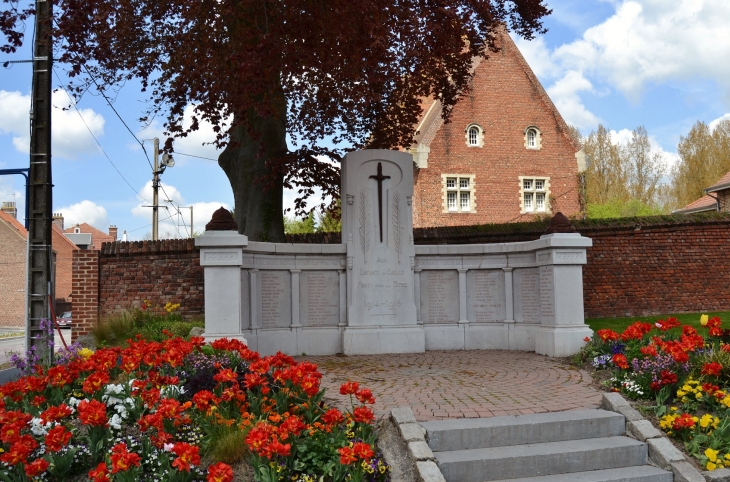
[
  {"x": 710, "y": 466},
  {"x": 703, "y": 320},
  {"x": 712, "y": 455},
  {"x": 85, "y": 352}
]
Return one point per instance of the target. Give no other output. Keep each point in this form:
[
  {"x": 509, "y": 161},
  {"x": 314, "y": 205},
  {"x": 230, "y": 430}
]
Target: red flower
[
  {"x": 620, "y": 361},
  {"x": 57, "y": 438},
  {"x": 92, "y": 413},
  {"x": 310, "y": 385},
  {"x": 220, "y": 472},
  {"x": 187, "y": 455},
  {"x": 363, "y": 450},
  {"x": 54, "y": 414},
  {"x": 725, "y": 348},
  {"x": 95, "y": 381},
  {"x": 10, "y": 432},
  {"x": 667, "y": 324},
  {"x": 349, "y": 388},
  {"x": 712, "y": 369},
  {"x": 203, "y": 400},
  {"x": 365, "y": 396},
  {"x": 636, "y": 331},
  {"x": 363, "y": 415},
  {"x": 649, "y": 350},
  {"x": 19, "y": 451},
  {"x": 258, "y": 438},
  {"x": 667, "y": 377},
  {"x": 347, "y": 456},
  {"x": 607, "y": 335},
  {"x": 122, "y": 460},
  {"x": 226, "y": 375},
  {"x": 333, "y": 416},
  {"x": 277, "y": 448},
  {"x": 293, "y": 425},
  {"x": 37, "y": 467},
  {"x": 100, "y": 474},
  {"x": 252, "y": 380},
  {"x": 683, "y": 421}
]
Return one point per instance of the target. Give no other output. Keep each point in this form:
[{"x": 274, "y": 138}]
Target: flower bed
[
  {"x": 683, "y": 371},
  {"x": 179, "y": 410}
]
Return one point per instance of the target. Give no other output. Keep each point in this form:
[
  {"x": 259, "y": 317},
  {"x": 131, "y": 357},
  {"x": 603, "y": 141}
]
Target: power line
[
  {"x": 97, "y": 140},
  {"x": 199, "y": 157}
]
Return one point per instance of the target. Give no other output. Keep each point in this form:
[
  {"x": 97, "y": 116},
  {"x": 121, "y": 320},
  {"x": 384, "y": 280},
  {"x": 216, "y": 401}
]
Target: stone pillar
[
  {"x": 462, "y": 296},
  {"x": 84, "y": 292},
  {"x": 562, "y": 328},
  {"x": 377, "y": 228},
  {"x": 221, "y": 257}
]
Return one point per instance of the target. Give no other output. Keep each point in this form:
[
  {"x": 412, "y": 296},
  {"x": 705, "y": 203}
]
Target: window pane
[
  {"x": 473, "y": 136},
  {"x": 527, "y": 184},
  {"x": 540, "y": 202},
  {"x": 531, "y": 135},
  {"x": 451, "y": 201},
  {"x": 451, "y": 182},
  {"x": 464, "y": 183},
  {"x": 540, "y": 185},
  {"x": 528, "y": 201},
  {"x": 464, "y": 201}
]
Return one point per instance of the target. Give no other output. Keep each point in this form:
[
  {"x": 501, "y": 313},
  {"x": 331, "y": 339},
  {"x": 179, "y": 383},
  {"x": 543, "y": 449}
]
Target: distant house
[
  {"x": 13, "y": 255},
  {"x": 717, "y": 198},
  {"x": 86, "y": 236},
  {"x": 506, "y": 155}
]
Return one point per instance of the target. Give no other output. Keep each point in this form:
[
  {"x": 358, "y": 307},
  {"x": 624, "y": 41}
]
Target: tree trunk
[{"x": 258, "y": 210}]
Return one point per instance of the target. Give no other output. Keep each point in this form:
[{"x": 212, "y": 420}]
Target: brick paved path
[{"x": 458, "y": 384}]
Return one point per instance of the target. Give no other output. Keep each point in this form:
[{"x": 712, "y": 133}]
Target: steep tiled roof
[
  {"x": 705, "y": 203},
  {"x": 721, "y": 184},
  {"x": 97, "y": 236},
  {"x": 14, "y": 223}
]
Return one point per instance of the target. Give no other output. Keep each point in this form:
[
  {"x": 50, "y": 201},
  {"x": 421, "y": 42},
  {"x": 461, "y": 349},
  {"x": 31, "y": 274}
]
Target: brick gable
[
  {"x": 505, "y": 99},
  {"x": 12, "y": 271}
]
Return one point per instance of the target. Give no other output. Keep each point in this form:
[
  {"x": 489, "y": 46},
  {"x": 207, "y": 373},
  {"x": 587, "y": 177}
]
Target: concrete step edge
[{"x": 642, "y": 473}]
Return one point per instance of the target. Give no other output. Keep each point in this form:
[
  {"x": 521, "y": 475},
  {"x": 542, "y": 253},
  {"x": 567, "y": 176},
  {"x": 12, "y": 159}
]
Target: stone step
[
  {"x": 474, "y": 433},
  {"x": 532, "y": 460},
  {"x": 644, "y": 473}
]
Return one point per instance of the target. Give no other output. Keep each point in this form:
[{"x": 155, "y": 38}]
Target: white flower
[
  {"x": 73, "y": 402},
  {"x": 115, "y": 422},
  {"x": 168, "y": 447},
  {"x": 122, "y": 410},
  {"x": 38, "y": 427}
]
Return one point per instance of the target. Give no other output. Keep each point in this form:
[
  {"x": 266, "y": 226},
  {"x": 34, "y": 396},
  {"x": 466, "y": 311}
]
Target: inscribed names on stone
[
  {"x": 485, "y": 298},
  {"x": 547, "y": 305},
  {"x": 275, "y": 299},
  {"x": 526, "y": 284},
  {"x": 319, "y": 294},
  {"x": 440, "y": 296},
  {"x": 245, "y": 300}
]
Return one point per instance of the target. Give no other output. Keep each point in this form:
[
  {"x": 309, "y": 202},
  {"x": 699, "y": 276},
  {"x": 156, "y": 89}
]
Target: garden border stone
[
  {"x": 662, "y": 452},
  {"x": 418, "y": 449}
]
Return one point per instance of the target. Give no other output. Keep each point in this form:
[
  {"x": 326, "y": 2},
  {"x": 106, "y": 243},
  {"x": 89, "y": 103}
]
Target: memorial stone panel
[
  {"x": 275, "y": 299},
  {"x": 485, "y": 296},
  {"x": 439, "y": 296},
  {"x": 319, "y": 294},
  {"x": 526, "y": 284},
  {"x": 547, "y": 305}
]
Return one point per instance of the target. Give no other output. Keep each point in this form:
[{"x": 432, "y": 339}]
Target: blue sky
[{"x": 662, "y": 64}]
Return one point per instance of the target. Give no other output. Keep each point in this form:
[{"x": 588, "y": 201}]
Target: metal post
[
  {"x": 40, "y": 287},
  {"x": 155, "y": 188},
  {"x": 192, "y": 233}
]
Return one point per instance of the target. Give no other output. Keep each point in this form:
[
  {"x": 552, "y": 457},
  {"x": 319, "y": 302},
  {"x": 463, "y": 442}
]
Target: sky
[{"x": 661, "y": 64}]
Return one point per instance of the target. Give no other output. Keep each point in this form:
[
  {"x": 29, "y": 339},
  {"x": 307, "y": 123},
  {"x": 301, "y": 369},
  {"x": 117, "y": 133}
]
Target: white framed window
[
  {"x": 458, "y": 192},
  {"x": 534, "y": 195},
  {"x": 533, "y": 138},
  {"x": 474, "y": 135}
]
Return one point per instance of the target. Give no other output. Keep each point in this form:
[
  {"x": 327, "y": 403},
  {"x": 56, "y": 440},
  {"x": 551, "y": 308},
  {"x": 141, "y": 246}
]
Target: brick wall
[
  {"x": 64, "y": 249},
  {"x": 12, "y": 276},
  {"x": 85, "y": 291},
  {"x": 159, "y": 272},
  {"x": 505, "y": 99}
]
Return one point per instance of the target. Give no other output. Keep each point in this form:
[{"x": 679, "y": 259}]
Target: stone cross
[{"x": 380, "y": 178}]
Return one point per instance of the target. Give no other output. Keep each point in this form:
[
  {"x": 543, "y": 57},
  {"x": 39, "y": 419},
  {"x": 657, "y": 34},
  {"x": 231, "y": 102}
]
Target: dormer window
[
  {"x": 474, "y": 136},
  {"x": 533, "y": 138},
  {"x": 77, "y": 230}
]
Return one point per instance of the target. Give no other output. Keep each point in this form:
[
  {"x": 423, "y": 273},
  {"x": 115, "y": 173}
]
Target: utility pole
[
  {"x": 40, "y": 252},
  {"x": 155, "y": 189}
]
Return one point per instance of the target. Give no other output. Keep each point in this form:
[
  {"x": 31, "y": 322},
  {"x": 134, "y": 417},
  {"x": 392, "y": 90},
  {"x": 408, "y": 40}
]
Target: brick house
[
  {"x": 13, "y": 253},
  {"x": 505, "y": 156},
  {"x": 86, "y": 235},
  {"x": 717, "y": 198}
]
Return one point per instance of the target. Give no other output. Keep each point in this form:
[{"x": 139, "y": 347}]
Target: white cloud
[
  {"x": 193, "y": 144},
  {"x": 623, "y": 137},
  {"x": 70, "y": 136},
  {"x": 84, "y": 212},
  {"x": 652, "y": 41},
  {"x": 714, "y": 123},
  {"x": 538, "y": 56},
  {"x": 564, "y": 93}
]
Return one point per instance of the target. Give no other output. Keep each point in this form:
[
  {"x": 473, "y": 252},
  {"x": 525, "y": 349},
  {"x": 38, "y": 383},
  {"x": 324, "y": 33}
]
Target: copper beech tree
[{"x": 324, "y": 75}]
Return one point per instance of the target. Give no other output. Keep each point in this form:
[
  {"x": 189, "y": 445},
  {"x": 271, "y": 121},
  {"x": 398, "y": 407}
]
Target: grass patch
[
  {"x": 620, "y": 324},
  {"x": 114, "y": 330}
]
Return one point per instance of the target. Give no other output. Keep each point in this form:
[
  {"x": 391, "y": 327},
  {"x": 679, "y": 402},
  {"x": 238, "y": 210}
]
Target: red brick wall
[
  {"x": 504, "y": 102},
  {"x": 159, "y": 272},
  {"x": 64, "y": 249},
  {"x": 85, "y": 291},
  {"x": 12, "y": 276}
]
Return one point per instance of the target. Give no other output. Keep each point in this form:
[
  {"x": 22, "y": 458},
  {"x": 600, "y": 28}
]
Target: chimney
[
  {"x": 9, "y": 208},
  {"x": 58, "y": 219},
  {"x": 124, "y": 236},
  {"x": 113, "y": 232}
]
